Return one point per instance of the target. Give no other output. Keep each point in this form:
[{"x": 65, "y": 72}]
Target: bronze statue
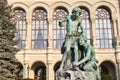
[
  {"x": 75, "y": 49},
  {"x": 73, "y": 22},
  {"x": 89, "y": 61}
]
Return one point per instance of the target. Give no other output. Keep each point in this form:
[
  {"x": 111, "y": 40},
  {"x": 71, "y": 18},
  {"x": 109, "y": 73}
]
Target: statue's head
[{"x": 76, "y": 11}]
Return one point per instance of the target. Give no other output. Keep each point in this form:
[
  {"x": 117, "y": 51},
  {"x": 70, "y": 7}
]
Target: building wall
[{"x": 50, "y": 56}]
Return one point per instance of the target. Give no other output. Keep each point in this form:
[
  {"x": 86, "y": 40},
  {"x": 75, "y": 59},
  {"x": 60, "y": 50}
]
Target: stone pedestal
[{"x": 77, "y": 75}]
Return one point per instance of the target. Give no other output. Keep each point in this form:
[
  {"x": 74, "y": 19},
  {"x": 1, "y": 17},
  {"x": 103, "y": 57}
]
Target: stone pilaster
[
  {"x": 26, "y": 72},
  {"x": 115, "y": 26},
  {"x": 29, "y": 31},
  {"x": 117, "y": 55},
  {"x": 50, "y": 32},
  {"x": 26, "y": 65},
  {"x": 50, "y": 72}
]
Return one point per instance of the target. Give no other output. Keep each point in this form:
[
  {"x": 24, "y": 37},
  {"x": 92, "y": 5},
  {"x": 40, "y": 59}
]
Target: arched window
[
  {"x": 39, "y": 29},
  {"x": 107, "y": 71},
  {"x": 103, "y": 28},
  {"x": 21, "y": 27},
  {"x": 56, "y": 67},
  {"x": 86, "y": 23},
  {"x": 19, "y": 73},
  {"x": 39, "y": 69},
  {"x": 59, "y": 32}
]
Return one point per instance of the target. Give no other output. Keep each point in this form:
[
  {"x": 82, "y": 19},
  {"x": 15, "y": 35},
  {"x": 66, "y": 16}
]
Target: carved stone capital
[
  {"x": 117, "y": 56},
  {"x": 114, "y": 19},
  {"x": 117, "y": 43}
]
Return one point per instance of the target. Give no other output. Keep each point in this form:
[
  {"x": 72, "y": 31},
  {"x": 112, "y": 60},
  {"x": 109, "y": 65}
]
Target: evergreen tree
[{"x": 7, "y": 42}]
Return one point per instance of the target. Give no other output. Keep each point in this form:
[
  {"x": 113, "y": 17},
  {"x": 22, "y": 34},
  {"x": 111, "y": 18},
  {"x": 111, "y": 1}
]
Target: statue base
[{"x": 76, "y": 75}]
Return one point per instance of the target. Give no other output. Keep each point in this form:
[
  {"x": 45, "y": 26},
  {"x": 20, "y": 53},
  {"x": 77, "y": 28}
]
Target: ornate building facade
[{"x": 40, "y": 37}]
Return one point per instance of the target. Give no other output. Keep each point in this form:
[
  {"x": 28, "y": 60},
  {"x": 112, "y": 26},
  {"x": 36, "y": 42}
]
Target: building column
[
  {"x": 93, "y": 32},
  {"x": 118, "y": 63},
  {"x": 50, "y": 72},
  {"x": 50, "y": 33},
  {"x": 115, "y": 26},
  {"x": 117, "y": 56},
  {"x": 29, "y": 30},
  {"x": 26, "y": 70}
]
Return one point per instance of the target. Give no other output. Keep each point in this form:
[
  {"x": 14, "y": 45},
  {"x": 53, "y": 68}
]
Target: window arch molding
[
  {"x": 39, "y": 5},
  {"x": 60, "y": 7},
  {"x": 106, "y": 60},
  {"x": 19, "y": 8},
  {"x": 84, "y": 4},
  {"x": 58, "y": 4},
  {"x": 107, "y": 8},
  {"x": 85, "y": 8},
  {"x": 20, "y": 5},
  {"x": 107, "y": 5},
  {"x": 37, "y": 61}
]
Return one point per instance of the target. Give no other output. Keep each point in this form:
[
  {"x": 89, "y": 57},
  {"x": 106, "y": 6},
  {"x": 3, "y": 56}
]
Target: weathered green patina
[
  {"x": 72, "y": 24},
  {"x": 79, "y": 61}
]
